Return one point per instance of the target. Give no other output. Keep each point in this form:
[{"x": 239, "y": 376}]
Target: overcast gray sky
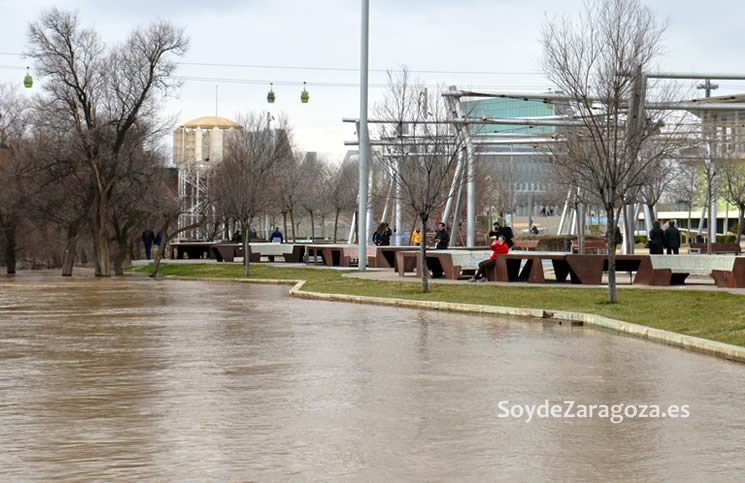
[{"x": 489, "y": 44}]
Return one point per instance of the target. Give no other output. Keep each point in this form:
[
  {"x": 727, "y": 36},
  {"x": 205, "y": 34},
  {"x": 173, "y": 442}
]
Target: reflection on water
[{"x": 195, "y": 381}]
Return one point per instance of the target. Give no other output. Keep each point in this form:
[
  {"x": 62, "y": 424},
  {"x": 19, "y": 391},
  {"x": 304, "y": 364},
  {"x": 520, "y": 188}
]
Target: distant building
[
  {"x": 201, "y": 140},
  {"x": 197, "y": 146},
  {"x": 530, "y": 176}
]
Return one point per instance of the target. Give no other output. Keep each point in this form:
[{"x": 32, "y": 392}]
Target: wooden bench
[
  {"x": 508, "y": 267},
  {"x": 290, "y": 252},
  {"x": 338, "y": 255},
  {"x": 192, "y": 249},
  {"x": 226, "y": 252},
  {"x": 588, "y": 269},
  {"x": 660, "y": 270},
  {"x": 597, "y": 246},
  {"x": 734, "y": 278},
  {"x": 525, "y": 245},
  {"x": 350, "y": 256},
  {"x": 718, "y": 247},
  {"x": 449, "y": 264},
  {"x": 674, "y": 269}
]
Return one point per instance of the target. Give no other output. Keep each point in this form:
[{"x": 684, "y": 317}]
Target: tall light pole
[{"x": 364, "y": 139}]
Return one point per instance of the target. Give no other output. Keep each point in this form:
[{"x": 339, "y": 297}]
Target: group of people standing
[{"x": 660, "y": 239}]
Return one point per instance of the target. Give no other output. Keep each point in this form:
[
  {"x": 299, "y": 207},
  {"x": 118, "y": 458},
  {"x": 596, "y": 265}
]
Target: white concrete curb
[{"x": 696, "y": 344}]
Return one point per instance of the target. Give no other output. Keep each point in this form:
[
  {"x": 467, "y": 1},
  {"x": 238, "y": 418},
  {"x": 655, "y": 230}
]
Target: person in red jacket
[{"x": 498, "y": 246}]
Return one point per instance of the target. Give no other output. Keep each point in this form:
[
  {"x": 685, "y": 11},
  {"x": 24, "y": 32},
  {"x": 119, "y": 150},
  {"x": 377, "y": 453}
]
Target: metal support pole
[
  {"x": 648, "y": 218},
  {"x": 351, "y": 229},
  {"x": 470, "y": 172},
  {"x": 456, "y": 215},
  {"x": 397, "y": 221},
  {"x": 370, "y": 203},
  {"x": 364, "y": 137},
  {"x": 454, "y": 185},
  {"x": 564, "y": 213}
]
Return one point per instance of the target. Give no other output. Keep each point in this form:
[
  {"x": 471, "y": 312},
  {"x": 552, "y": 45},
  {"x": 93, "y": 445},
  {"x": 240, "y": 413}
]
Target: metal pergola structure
[{"x": 700, "y": 107}]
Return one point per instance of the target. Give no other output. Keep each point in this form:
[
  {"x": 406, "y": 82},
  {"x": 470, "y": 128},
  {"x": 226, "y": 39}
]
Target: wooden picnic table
[
  {"x": 441, "y": 263},
  {"x": 226, "y": 252},
  {"x": 290, "y": 252},
  {"x": 338, "y": 255},
  {"x": 508, "y": 267},
  {"x": 192, "y": 249}
]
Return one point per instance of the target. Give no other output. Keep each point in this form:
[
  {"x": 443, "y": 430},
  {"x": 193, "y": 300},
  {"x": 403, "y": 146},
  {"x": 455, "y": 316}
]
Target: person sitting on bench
[{"x": 498, "y": 246}]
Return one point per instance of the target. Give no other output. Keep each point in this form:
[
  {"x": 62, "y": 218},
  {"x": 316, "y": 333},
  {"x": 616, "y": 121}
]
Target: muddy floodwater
[{"x": 135, "y": 379}]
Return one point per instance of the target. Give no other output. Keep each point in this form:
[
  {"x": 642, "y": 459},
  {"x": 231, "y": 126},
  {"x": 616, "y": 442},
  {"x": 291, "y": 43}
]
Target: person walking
[
  {"x": 672, "y": 239},
  {"x": 148, "y": 237},
  {"x": 498, "y": 246},
  {"x": 416, "y": 237},
  {"x": 442, "y": 239},
  {"x": 656, "y": 239}
]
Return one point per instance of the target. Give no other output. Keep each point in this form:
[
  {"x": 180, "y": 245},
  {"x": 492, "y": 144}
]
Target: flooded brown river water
[{"x": 133, "y": 379}]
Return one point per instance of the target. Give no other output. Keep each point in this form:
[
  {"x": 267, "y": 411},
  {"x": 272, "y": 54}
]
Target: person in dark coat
[
  {"x": 385, "y": 237},
  {"x": 656, "y": 240},
  {"x": 148, "y": 237},
  {"x": 276, "y": 236},
  {"x": 496, "y": 230},
  {"x": 672, "y": 239},
  {"x": 442, "y": 239}
]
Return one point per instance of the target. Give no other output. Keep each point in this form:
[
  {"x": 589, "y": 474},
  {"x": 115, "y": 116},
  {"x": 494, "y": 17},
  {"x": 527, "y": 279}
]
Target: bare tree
[
  {"x": 14, "y": 171},
  {"x": 252, "y": 157},
  {"x": 313, "y": 189},
  {"x": 343, "y": 190},
  {"x": 104, "y": 92},
  {"x": 659, "y": 176},
  {"x": 63, "y": 193},
  {"x": 733, "y": 188},
  {"x": 602, "y": 56},
  {"x": 133, "y": 195},
  {"x": 424, "y": 160},
  {"x": 288, "y": 182}
]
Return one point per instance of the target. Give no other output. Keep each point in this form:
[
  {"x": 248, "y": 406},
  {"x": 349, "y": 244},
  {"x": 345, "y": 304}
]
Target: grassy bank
[{"x": 715, "y": 315}]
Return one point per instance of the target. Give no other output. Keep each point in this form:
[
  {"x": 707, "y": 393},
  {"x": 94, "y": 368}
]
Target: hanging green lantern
[
  {"x": 270, "y": 96},
  {"x": 304, "y": 96},
  {"x": 28, "y": 81}
]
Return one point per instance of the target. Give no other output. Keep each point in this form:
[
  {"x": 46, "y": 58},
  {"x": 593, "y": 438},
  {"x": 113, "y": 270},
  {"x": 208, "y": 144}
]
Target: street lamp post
[{"x": 364, "y": 139}]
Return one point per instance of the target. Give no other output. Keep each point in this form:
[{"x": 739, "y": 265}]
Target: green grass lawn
[{"x": 715, "y": 315}]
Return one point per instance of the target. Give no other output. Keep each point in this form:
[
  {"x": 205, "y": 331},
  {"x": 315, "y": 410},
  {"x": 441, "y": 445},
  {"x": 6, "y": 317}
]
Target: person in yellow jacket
[{"x": 416, "y": 237}]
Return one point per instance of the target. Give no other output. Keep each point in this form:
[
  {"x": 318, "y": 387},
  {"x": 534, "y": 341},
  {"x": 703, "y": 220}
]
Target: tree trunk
[
  {"x": 101, "y": 246},
  {"x": 159, "y": 253},
  {"x": 423, "y": 256},
  {"x": 10, "y": 249},
  {"x": 312, "y": 228},
  {"x": 284, "y": 225},
  {"x": 580, "y": 210},
  {"x": 740, "y": 216},
  {"x": 689, "y": 226},
  {"x": 71, "y": 246},
  {"x": 121, "y": 253},
  {"x": 247, "y": 256},
  {"x": 611, "y": 242},
  {"x": 292, "y": 222},
  {"x": 336, "y": 222}
]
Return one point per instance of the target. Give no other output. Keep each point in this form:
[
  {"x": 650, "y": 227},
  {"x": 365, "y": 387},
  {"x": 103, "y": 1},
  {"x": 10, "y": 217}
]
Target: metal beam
[{"x": 690, "y": 75}]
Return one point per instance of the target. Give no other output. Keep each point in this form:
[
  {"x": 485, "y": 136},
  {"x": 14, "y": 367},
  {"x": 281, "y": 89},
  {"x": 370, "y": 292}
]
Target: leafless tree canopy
[
  {"x": 424, "y": 154},
  {"x": 245, "y": 179},
  {"x": 598, "y": 61},
  {"x": 105, "y": 95}
]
